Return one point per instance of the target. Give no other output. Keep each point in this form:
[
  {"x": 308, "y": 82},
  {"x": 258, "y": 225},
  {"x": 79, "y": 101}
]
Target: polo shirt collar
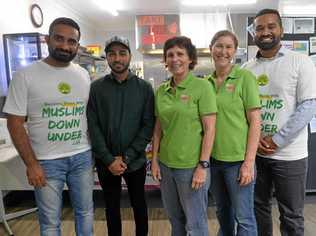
[
  {"x": 184, "y": 83},
  {"x": 232, "y": 75}
]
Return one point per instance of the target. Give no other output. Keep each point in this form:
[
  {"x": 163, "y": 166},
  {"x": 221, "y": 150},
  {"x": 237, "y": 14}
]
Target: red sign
[
  {"x": 150, "y": 20},
  {"x": 153, "y": 31}
]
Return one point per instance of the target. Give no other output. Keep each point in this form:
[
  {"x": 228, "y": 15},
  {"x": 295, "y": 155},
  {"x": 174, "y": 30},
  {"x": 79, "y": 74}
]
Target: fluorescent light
[
  {"x": 108, "y": 6},
  {"x": 113, "y": 12},
  {"x": 208, "y": 24},
  {"x": 298, "y": 10},
  {"x": 217, "y": 2}
]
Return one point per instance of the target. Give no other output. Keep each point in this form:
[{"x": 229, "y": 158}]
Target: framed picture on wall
[
  {"x": 304, "y": 25},
  {"x": 301, "y": 46}
]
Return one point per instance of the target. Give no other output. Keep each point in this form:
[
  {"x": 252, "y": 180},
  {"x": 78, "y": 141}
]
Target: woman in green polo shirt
[
  {"x": 236, "y": 139},
  {"x": 184, "y": 133}
]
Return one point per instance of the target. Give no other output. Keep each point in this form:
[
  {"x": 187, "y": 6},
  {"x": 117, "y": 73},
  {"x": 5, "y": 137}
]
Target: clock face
[{"x": 36, "y": 15}]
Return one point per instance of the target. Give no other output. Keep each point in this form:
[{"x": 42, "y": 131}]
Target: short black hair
[
  {"x": 270, "y": 11},
  {"x": 185, "y": 43},
  {"x": 63, "y": 21}
]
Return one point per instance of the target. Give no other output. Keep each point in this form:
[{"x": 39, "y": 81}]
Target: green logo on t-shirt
[
  {"x": 262, "y": 80},
  {"x": 64, "y": 88}
]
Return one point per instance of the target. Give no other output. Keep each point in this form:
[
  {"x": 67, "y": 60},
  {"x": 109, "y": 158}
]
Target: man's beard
[
  {"x": 267, "y": 45},
  {"x": 125, "y": 68},
  {"x": 61, "y": 55}
]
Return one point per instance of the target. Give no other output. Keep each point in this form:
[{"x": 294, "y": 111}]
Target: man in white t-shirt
[
  {"x": 287, "y": 83},
  {"x": 51, "y": 96}
]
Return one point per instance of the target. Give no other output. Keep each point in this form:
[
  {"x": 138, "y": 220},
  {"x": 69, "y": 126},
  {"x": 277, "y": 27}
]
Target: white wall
[{"x": 15, "y": 18}]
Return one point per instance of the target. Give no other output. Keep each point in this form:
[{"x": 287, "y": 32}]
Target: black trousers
[
  {"x": 111, "y": 186},
  {"x": 287, "y": 178}
]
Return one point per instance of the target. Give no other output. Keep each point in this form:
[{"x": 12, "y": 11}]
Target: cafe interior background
[{"x": 147, "y": 24}]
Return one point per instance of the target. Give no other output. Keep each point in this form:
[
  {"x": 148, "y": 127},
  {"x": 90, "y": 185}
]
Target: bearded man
[
  {"x": 287, "y": 87},
  {"x": 51, "y": 96},
  {"x": 120, "y": 120}
]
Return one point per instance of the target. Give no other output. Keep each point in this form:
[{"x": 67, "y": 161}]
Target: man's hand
[
  {"x": 35, "y": 175},
  {"x": 199, "y": 177},
  {"x": 267, "y": 146},
  {"x": 117, "y": 167},
  {"x": 270, "y": 142}
]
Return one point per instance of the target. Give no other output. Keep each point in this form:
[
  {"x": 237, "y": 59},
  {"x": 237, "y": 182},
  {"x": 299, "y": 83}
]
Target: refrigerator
[{"x": 22, "y": 49}]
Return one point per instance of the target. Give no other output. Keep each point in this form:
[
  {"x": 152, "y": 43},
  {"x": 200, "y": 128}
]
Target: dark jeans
[
  {"x": 111, "y": 186},
  {"x": 288, "y": 179}
]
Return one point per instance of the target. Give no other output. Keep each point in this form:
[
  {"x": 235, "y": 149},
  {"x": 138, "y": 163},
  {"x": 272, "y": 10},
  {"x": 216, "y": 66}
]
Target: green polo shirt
[
  {"x": 179, "y": 111},
  {"x": 238, "y": 93}
]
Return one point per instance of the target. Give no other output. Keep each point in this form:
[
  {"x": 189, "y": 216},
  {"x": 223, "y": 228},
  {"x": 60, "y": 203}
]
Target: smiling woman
[
  {"x": 223, "y": 50},
  {"x": 236, "y": 139},
  {"x": 185, "y": 107},
  {"x": 178, "y": 62}
]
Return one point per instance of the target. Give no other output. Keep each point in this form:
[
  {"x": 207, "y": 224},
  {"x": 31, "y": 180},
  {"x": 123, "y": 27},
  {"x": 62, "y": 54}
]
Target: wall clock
[{"x": 36, "y": 15}]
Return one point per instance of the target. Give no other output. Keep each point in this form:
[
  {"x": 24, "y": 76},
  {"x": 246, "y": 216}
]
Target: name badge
[
  {"x": 230, "y": 88},
  {"x": 184, "y": 98}
]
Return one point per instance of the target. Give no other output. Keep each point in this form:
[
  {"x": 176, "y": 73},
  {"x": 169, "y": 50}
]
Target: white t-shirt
[
  {"x": 54, "y": 99},
  {"x": 284, "y": 81}
]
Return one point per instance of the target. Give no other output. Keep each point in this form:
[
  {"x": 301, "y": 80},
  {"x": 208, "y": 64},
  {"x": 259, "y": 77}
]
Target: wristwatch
[{"x": 204, "y": 164}]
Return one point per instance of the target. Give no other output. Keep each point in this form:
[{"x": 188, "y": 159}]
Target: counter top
[
  {"x": 12, "y": 170},
  {"x": 8, "y": 153}
]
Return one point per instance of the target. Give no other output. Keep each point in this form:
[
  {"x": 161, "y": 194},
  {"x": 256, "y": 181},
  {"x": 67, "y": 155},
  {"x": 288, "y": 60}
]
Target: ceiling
[{"x": 130, "y": 8}]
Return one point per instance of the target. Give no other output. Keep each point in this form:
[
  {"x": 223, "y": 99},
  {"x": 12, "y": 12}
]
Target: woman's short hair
[{"x": 185, "y": 43}]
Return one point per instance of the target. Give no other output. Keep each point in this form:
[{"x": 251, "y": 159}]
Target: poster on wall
[
  {"x": 301, "y": 47},
  {"x": 152, "y": 31},
  {"x": 304, "y": 25},
  {"x": 287, "y": 44}
]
